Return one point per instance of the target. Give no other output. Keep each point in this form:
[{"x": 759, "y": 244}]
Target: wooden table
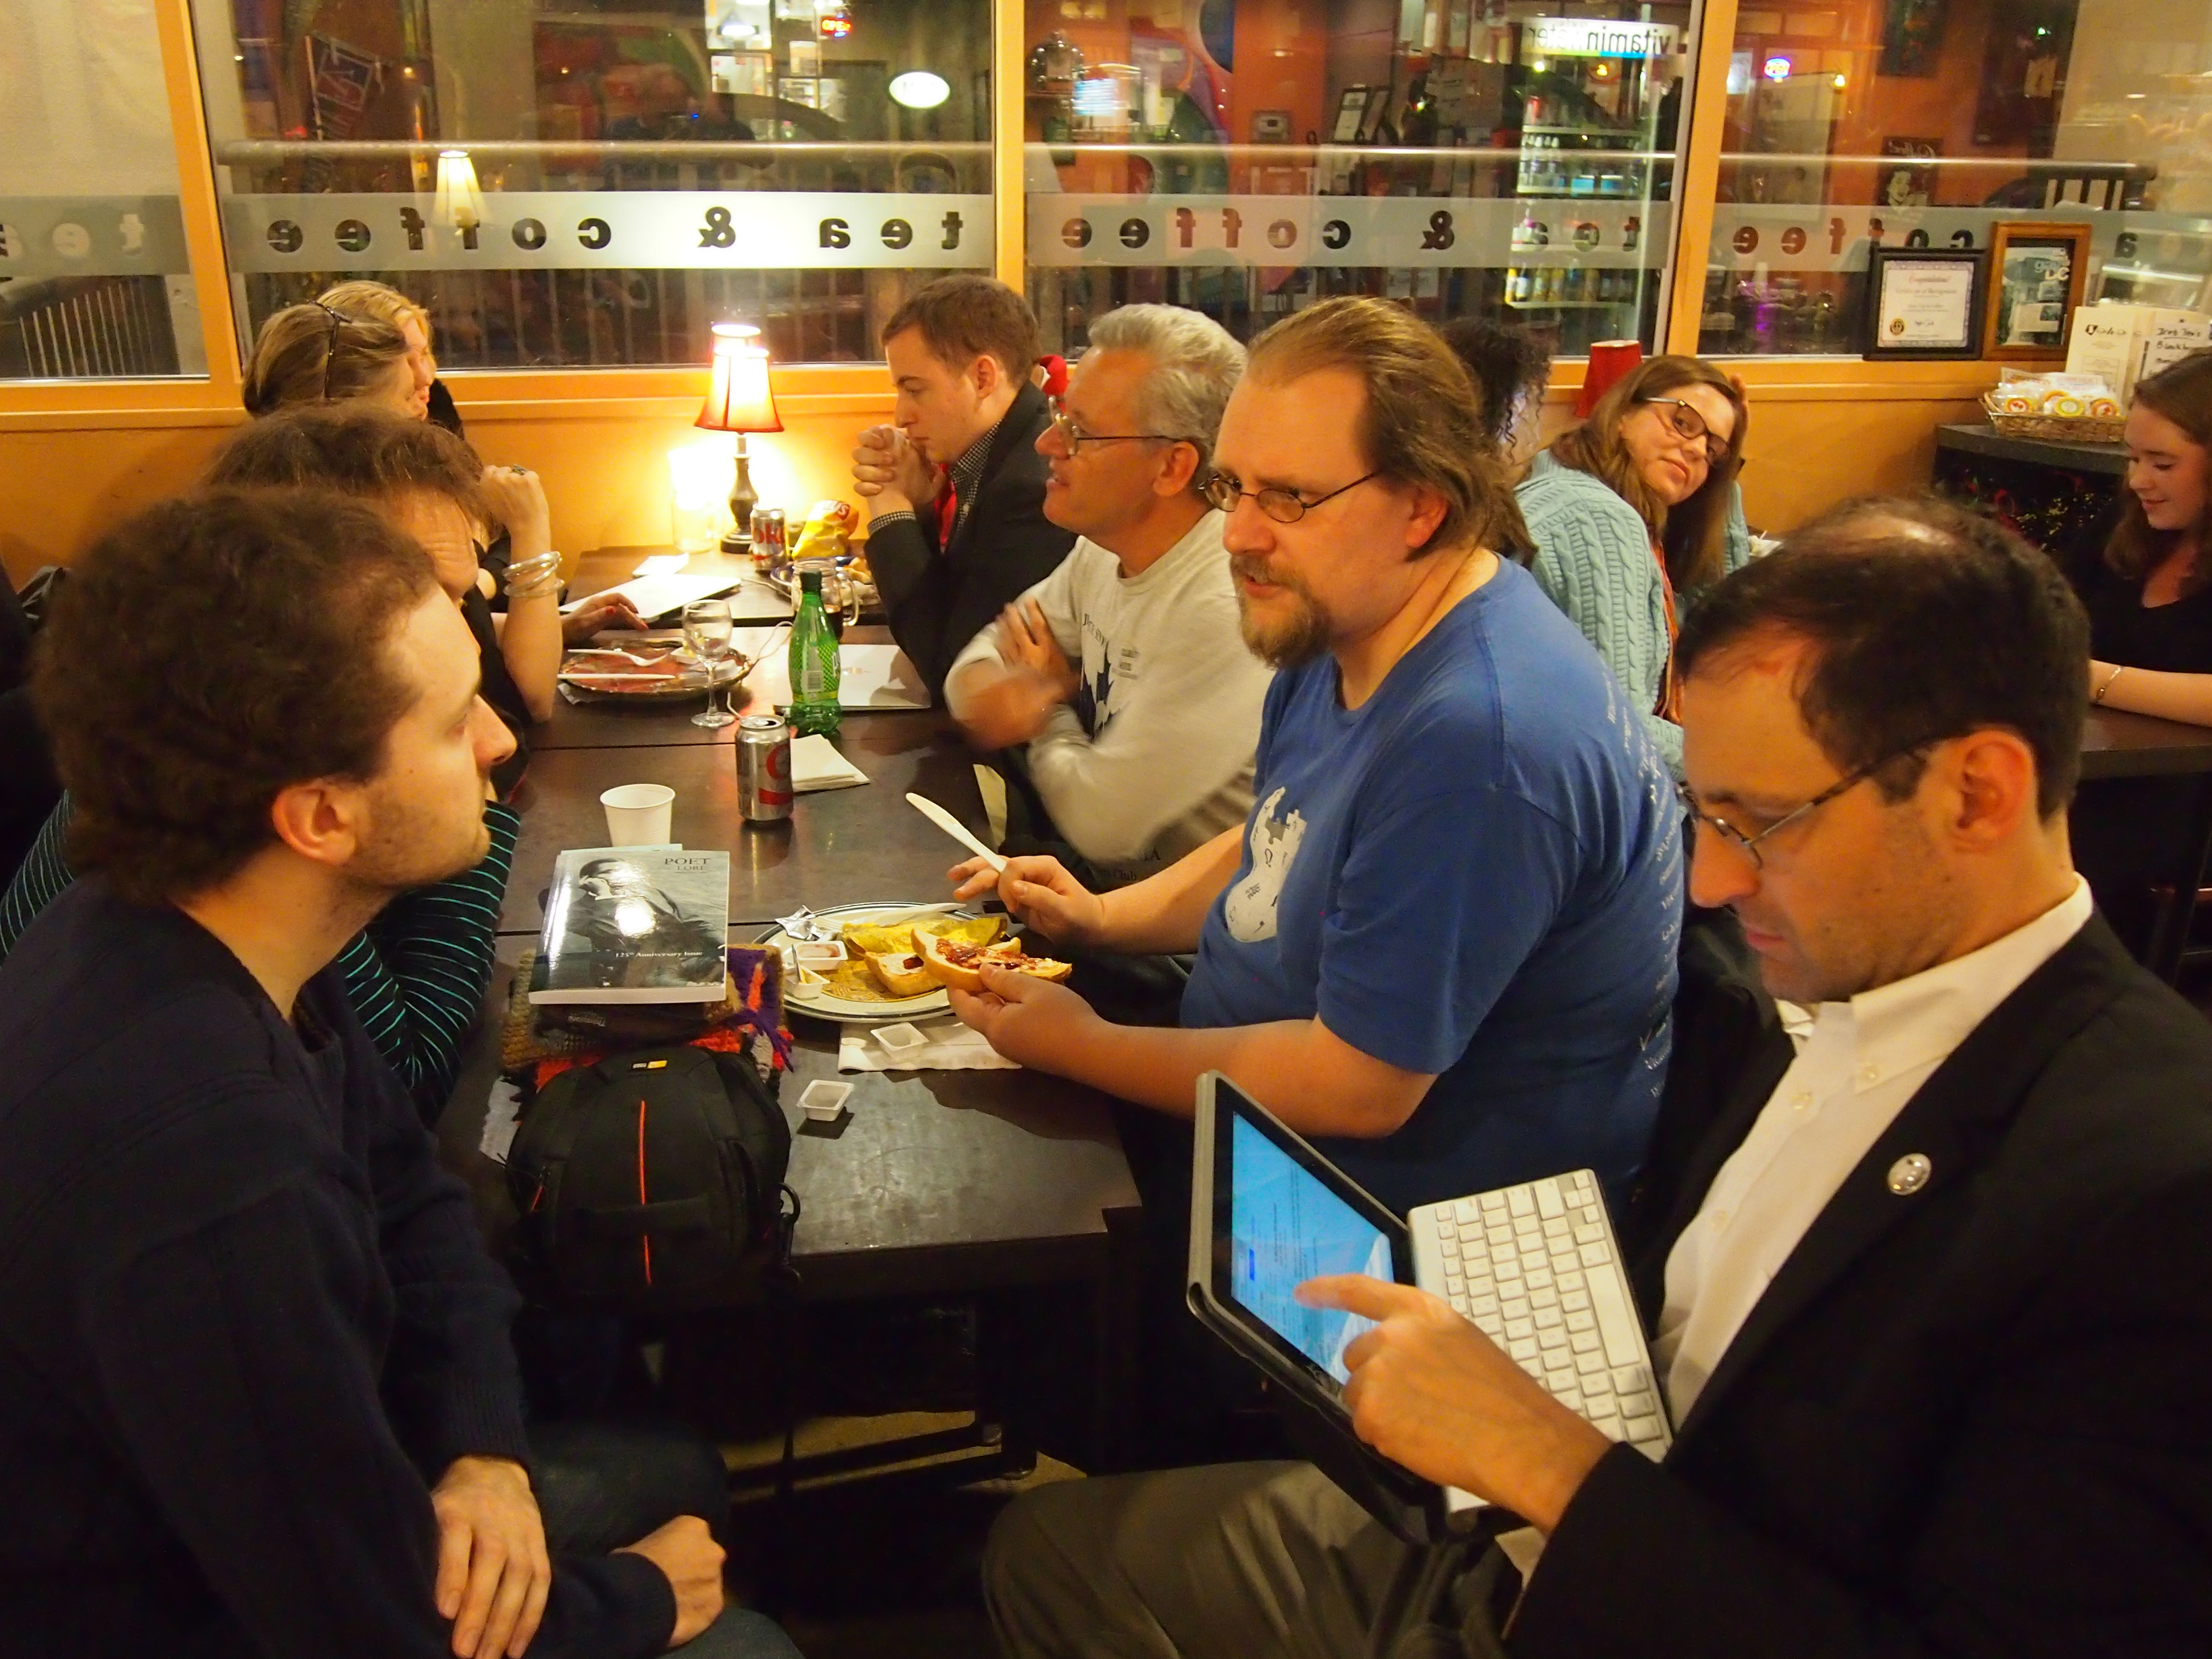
[
  {"x": 752, "y": 600},
  {"x": 2118, "y": 745},
  {"x": 616, "y": 723},
  {"x": 995, "y": 1185},
  {"x": 2172, "y": 762},
  {"x": 838, "y": 846}
]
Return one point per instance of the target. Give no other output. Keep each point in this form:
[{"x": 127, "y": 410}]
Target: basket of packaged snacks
[{"x": 2066, "y": 408}]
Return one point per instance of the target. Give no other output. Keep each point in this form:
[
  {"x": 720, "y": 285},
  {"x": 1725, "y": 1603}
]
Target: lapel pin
[{"x": 1910, "y": 1174}]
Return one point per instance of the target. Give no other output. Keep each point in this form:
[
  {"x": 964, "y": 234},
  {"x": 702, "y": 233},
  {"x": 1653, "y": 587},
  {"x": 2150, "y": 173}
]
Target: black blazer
[
  {"x": 1005, "y": 546},
  {"x": 1971, "y": 1420}
]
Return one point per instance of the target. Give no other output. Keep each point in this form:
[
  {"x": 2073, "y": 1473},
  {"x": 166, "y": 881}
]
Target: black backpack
[{"x": 652, "y": 1182}]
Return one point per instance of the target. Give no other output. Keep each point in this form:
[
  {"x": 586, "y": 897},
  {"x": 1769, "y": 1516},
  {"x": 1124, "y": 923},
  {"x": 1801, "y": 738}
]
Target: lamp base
[{"x": 742, "y": 499}]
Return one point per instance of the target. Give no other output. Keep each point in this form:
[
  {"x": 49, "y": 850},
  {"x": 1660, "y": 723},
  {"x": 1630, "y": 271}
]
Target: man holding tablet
[{"x": 1928, "y": 1304}]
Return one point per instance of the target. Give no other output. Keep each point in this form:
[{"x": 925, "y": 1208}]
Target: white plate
[{"x": 810, "y": 999}]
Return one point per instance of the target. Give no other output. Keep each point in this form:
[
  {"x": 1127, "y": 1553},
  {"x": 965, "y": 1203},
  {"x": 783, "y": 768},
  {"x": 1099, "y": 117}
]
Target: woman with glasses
[
  {"x": 430, "y": 401},
  {"x": 1633, "y": 511}
]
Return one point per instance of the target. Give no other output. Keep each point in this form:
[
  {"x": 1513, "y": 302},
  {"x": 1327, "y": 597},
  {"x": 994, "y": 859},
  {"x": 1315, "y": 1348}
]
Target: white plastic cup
[{"x": 638, "y": 814}]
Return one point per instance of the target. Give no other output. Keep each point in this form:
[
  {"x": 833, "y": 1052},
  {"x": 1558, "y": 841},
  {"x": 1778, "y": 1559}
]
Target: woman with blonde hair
[
  {"x": 362, "y": 298},
  {"x": 1633, "y": 511},
  {"x": 321, "y": 354}
]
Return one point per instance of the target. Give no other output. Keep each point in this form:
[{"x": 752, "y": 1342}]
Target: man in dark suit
[
  {"x": 1927, "y": 1303},
  {"x": 955, "y": 487}
]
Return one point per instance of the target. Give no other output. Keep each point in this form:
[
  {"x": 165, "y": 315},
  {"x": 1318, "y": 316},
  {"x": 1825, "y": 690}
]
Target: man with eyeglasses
[
  {"x": 1927, "y": 1300},
  {"x": 954, "y": 486},
  {"x": 1442, "y": 945},
  {"x": 1126, "y": 702}
]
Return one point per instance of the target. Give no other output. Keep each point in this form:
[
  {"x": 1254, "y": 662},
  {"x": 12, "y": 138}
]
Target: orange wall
[{"x": 606, "y": 472}]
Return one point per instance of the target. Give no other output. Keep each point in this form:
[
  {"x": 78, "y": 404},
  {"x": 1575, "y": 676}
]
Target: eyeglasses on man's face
[
  {"x": 1683, "y": 420},
  {"x": 1748, "y": 841},
  {"x": 1282, "y": 506},
  {"x": 1073, "y": 437}
]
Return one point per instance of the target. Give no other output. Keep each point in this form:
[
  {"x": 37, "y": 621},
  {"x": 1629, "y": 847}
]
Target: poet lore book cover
[{"x": 635, "y": 924}]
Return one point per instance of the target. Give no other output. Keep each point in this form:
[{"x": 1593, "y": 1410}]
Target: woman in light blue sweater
[{"x": 1635, "y": 509}]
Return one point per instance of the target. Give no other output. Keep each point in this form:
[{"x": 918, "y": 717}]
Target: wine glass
[{"x": 706, "y": 631}]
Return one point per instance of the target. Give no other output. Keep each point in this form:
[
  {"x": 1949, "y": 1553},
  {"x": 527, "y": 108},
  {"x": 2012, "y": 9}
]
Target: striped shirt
[{"x": 416, "y": 975}]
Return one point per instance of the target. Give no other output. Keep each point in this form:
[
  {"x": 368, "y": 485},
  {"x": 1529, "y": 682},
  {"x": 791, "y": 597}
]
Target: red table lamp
[{"x": 739, "y": 400}]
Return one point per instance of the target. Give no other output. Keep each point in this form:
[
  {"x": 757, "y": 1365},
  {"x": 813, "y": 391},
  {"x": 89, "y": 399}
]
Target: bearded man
[{"x": 1441, "y": 947}]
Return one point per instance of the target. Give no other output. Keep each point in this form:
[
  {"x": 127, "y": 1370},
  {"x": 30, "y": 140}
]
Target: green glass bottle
[{"x": 813, "y": 662}]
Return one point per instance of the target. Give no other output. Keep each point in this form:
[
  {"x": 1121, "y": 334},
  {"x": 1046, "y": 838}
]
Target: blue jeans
[{"x": 740, "y": 1633}]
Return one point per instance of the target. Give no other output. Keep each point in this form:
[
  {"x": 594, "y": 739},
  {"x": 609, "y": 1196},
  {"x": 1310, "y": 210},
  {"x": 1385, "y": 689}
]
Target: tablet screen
[{"x": 1285, "y": 1227}]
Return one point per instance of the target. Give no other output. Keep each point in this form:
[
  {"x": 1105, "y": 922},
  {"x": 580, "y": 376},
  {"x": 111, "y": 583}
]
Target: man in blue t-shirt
[{"x": 1442, "y": 946}]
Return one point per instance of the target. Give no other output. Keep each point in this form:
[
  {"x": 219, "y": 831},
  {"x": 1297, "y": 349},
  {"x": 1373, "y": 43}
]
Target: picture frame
[
  {"x": 1924, "y": 304},
  {"x": 1350, "y": 114},
  {"x": 1378, "y": 107},
  {"x": 1908, "y": 182},
  {"x": 2036, "y": 275}
]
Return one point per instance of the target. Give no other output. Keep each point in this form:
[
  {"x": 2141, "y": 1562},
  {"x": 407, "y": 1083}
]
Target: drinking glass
[{"x": 706, "y": 631}]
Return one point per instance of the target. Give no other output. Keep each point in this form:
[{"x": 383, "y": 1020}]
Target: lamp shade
[
  {"x": 460, "y": 201},
  {"x": 739, "y": 398}
]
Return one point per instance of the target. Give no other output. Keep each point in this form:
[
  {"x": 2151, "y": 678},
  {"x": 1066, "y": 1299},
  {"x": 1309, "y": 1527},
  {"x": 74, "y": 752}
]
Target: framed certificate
[
  {"x": 1925, "y": 302},
  {"x": 1351, "y": 111}
]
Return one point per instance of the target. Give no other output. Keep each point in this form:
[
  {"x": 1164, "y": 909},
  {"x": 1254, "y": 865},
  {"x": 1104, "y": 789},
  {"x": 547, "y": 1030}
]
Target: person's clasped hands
[{"x": 890, "y": 472}]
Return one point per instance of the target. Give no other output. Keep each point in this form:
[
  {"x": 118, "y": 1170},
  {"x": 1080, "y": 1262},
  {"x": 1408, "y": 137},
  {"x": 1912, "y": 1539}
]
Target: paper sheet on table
[
  {"x": 869, "y": 677},
  {"x": 661, "y": 564},
  {"x": 656, "y": 596},
  {"x": 816, "y": 764},
  {"x": 951, "y": 1047}
]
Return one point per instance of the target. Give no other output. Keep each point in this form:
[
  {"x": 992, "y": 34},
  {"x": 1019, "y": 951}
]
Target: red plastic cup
[{"x": 1608, "y": 361}]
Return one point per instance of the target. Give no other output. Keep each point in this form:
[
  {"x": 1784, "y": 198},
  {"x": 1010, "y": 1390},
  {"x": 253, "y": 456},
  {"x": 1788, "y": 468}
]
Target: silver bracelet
[{"x": 529, "y": 570}]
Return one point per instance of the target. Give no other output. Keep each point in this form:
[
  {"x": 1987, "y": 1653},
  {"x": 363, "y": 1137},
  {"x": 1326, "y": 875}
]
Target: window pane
[
  {"x": 1925, "y": 121},
  {"x": 94, "y": 279},
  {"x": 1249, "y": 157},
  {"x": 641, "y": 172}
]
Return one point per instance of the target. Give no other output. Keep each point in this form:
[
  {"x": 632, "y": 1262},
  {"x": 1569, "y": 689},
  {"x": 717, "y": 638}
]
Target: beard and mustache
[{"x": 1296, "y": 639}]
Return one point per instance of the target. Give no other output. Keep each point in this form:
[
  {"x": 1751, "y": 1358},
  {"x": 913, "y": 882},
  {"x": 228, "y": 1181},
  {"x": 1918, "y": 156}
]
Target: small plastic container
[
  {"x": 823, "y": 1099},
  {"x": 822, "y": 955},
  {"x": 899, "y": 1037}
]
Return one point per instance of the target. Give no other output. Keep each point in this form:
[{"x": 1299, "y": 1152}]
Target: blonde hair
[
  {"x": 1418, "y": 425},
  {"x": 362, "y": 298},
  {"x": 317, "y": 353},
  {"x": 1692, "y": 533}
]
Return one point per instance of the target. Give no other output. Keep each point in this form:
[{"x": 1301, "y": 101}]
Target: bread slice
[
  {"x": 953, "y": 963},
  {"x": 902, "y": 973}
]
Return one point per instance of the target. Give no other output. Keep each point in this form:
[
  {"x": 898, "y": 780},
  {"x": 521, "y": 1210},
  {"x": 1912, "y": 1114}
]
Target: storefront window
[
  {"x": 1249, "y": 157},
  {"x": 1927, "y": 122},
  {"x": 95, "y": 282},
  {"x": 596, "y": 182}
]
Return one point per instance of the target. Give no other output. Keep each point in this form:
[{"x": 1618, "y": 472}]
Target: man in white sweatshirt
[{"x": 1123, "y": 672}]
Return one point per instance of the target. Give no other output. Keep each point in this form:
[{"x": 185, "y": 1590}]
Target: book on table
[{"x": 635, "y": 925}]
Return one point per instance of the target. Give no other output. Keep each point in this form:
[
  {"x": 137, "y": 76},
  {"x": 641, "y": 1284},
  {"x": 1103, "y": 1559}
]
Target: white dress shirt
[{"x": 1858, "y": 1064}]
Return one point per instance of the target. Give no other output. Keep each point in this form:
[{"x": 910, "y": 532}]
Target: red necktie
[{"x": 948, "y": 508}]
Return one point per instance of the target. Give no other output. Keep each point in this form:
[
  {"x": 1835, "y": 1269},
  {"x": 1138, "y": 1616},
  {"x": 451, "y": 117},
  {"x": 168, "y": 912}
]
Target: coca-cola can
[
  {"x": 764, "y": 768},
  {"x": 768, "y": 538}
]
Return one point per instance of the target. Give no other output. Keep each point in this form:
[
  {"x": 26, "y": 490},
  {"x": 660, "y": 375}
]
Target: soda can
[
  {"x": 764, "y": 768},
  {"x": 768, "y": 538}
]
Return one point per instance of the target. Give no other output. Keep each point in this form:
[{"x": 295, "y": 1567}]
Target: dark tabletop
[
  {"x": 2117, "y": 745},
  {"x": 838, "y": 847},
  {"x": 1986, "y": 440},
  {"x": 753, "y": 600},
  {"x": 626, "y": 723},
  {"x": 931, "y": 1181}
]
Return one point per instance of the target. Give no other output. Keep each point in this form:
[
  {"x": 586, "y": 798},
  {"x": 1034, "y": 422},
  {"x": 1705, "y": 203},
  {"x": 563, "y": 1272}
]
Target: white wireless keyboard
[{"x": 1536, "y": 1269}]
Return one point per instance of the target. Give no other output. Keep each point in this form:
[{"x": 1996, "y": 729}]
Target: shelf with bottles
[
  {"x": 1553, "y": 286},
  {"x": 1551, "y": 165}
]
